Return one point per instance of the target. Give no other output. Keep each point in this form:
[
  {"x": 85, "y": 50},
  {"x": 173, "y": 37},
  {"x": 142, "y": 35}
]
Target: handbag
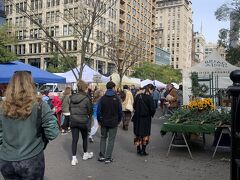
[{"x": 40, "y": 129}]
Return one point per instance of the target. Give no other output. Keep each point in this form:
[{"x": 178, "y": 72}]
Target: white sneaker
[
  {"x": 87, "y": 155},
  {"x": 74, "y": 162}
]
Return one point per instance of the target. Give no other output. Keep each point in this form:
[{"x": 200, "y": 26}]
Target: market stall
[
  {"x": 213, "y": 75},
  {"x": 39, "y": 76},
  {"x": 88, "y": 75},
  {"x": 125, "y": 80},
  {"x": 200, "y": 116}
]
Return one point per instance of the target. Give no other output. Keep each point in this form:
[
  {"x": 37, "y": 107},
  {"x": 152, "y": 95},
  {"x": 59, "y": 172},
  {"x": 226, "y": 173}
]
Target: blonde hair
[
  {"x": 20, "y": 96},
  {"x": 82, "y": 86},
  {"x": 97, "y": 95}
]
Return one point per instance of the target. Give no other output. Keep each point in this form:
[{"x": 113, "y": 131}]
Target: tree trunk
[{"x": 120, "y": 81}]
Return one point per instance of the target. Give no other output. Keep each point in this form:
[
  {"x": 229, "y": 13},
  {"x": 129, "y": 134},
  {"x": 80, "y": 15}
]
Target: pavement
[{"x": 127, "y": 165}]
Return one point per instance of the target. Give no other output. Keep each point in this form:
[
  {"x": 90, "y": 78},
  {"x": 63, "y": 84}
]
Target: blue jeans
[{"x": 29, "y": 169}]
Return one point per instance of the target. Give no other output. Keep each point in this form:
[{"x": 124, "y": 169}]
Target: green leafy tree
[
  {"x": 60, "y": 65},
  {"x": 226, "y": 12},
  {"x": 5, "y": 39},
  {"x": 163, "y": 73}
]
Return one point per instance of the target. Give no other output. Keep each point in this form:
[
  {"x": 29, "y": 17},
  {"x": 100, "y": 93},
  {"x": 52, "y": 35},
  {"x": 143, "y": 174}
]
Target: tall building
[
  {"x": 209, "y": 47},
  {"x": 137, "y": 20},
  {"x": 174, "y": 30},
  {"x": 56, "y": 16},
  {"x": 199, "y": 47},
  {"x": 128, "y": 18},
  {"x": 2, "y": 13}
]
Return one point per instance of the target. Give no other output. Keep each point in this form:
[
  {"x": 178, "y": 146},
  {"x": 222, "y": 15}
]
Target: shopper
[
  {"x": 65, "y": 110},
  {"x": 127, "y": 107},
  {"x": 57, "y": 108},
  {"x": 156, "y": 97},
  {"x": 97, "y": 95},
  {"x": 144, "y": 111},
  {"x": 109, "y": 114},
  {"x": 21, "y": 152},
  {"x": 80, "y": 115}
]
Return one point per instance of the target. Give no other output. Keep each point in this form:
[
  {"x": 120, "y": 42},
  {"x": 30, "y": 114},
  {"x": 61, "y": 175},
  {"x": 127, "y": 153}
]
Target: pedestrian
[
  {"x": 97, "y": 95},
  {"x": 171, "y": 98},
  {"x": 66, "y": 110},
  {"x": 133, "y": 90},
  {"x": 127, "y": 107},
  {"x": 109, "y": 114},
  {"x": 180, "y": 96},
  {"x": 156, "y": 97},
  {"x": 80, "y": 116},
  {"x": 144, "y": 111},
  {"x": 21, "y": 152},
  {"x": 57, "y": 108}
]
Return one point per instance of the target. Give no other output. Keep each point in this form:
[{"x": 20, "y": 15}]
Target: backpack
[{"x": 40, "y": 130}]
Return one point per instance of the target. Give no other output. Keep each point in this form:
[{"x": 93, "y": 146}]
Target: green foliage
[
  {"x": 187, "y": 116},
  {"x": 198, "y": 90},
  {"x": 5, "y": 39},
  {"x": 163, "y": 74},
  {"x": 60, "y": 65},
  {"x": 233, "y": 55}
]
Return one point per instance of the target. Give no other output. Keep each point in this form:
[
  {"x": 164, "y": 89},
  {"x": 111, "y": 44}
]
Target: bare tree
[
  {"x": 125, "y": 54},
  {"x": 87, "y": 16}
]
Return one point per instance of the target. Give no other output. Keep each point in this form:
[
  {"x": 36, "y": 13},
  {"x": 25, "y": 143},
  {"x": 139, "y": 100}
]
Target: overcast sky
[{"x": 203, "y": 11}]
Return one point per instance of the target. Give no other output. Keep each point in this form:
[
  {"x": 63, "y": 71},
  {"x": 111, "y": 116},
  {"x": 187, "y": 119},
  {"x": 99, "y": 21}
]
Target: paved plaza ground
[{"x": 128, "y": 165}]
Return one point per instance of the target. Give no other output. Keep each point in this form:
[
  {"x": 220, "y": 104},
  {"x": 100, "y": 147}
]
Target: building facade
[
  {"x": 162, "y": 57},
  {"x": 137, "y": 21},
  {"x": 209, "y": 47},
  {"x": 2, "y": 13},
  {"x": 174, "y": 30},
  {"x": 199, "y": 48},
  {"x": 57, "y": 18},
  {"x": 127, "y": 18}
]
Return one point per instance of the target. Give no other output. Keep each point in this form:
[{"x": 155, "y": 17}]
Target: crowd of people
[{"x": 82, "y": 113}]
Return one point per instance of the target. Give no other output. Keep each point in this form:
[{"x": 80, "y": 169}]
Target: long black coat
[{"x": 144, "y": 111}]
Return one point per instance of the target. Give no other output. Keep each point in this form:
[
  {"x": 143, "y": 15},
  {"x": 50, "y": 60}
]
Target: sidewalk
[{"x": 128, "y": 165}]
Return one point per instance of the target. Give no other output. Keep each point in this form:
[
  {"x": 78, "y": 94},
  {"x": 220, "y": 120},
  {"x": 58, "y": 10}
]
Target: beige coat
[{"x": 127, "y": 104}]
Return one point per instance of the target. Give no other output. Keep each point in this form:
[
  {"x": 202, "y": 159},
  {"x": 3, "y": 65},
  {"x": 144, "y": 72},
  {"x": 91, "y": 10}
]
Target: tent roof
[
  {"x": 214, "y": 63},
  {"x": 125, "y": 81},
  {"x": 39, "y": 76},
  {"x": 87, "y": 75}
]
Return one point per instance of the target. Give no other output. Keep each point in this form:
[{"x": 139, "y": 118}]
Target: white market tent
[
  {"x": 125, "y": 81},
  {"x": 146, "y": 82},
  {"x": 214, "y": 65},
  {"x": 159, "y": 84},
  {"x": 87, "y": 76}
]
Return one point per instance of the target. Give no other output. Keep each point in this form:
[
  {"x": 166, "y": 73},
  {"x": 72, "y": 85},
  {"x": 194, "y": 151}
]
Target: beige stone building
[
  {"x": 209, "y": 47},
  {"x": 53, "y": 14},
  {"x": 198, "y": 48},
  {"x": 137, "y": 21},
  {"x": 127, "y": 18},
  {"x": 174, "y": 30}
]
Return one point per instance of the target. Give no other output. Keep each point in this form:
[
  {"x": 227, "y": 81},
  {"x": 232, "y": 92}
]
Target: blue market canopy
[{"x": 39, "y": 76}]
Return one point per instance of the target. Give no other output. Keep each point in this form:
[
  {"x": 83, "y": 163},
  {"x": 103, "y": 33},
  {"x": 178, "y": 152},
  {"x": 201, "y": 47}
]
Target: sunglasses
[{"x": 29, "y": 72}]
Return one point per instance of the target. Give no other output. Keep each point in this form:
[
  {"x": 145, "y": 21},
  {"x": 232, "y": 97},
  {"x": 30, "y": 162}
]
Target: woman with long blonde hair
[{"x": 21, "y": 149}]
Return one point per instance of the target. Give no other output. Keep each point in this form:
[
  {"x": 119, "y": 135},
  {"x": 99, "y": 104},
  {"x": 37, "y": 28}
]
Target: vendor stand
[{"x": 199, "y": 117}]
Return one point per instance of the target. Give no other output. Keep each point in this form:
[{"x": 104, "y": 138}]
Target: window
[{"x": 65, "y": 30}]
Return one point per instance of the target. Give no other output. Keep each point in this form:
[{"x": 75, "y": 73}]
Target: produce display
[{"x": 201, "y": 111}]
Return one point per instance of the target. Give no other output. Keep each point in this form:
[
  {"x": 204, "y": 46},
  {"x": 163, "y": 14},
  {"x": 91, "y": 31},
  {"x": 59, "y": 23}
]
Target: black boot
[
  {"x": 143, "y": 152},
  {"x": 139, "y": 149}
]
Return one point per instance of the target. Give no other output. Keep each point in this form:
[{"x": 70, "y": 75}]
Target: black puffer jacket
[{"x": 80, "y": 109}]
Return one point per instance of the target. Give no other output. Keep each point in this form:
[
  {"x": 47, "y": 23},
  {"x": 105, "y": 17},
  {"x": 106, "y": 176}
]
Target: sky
[{"x": 203, "y": 13}]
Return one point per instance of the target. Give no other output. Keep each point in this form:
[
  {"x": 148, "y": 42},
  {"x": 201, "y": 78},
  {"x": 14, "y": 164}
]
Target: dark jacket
[
  {"x": 80, "y": 109},
  {"x": 109, "y": 110},
  {"x": 144, "y": 111}
]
